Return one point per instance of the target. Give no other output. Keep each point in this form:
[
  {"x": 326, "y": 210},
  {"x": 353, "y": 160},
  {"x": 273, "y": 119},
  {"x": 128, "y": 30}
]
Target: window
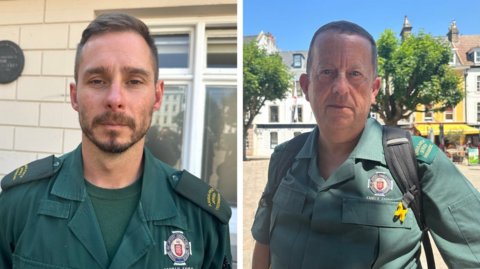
[
  {"x": 298, "y": 88},
  {"x": 477, "y": 56},
  {"x": 222, "y": 52},
  {"x": 295, "y": 134},
  {"x": 166, "y": 108},
  {"x": 173, "y": 50},
  {"x": 427, "y": 115},
  {"x": 273, "y": 139},
  {"x": 273, "y": 113},
  {"x": 247, "y": 143},
  {"x": 297, "y": 60},
  {"x": 174, "y": 108},
  {"x": 478, "y": 83},
  {"x": 449, "y": 114},
  {"x": 164, "y": 139},
  {"x": 220, "y": 141},
  {"x": 478, "y": 112},
  {"x": 298, "y": 116},
  {"x": 453, "y": 59}
]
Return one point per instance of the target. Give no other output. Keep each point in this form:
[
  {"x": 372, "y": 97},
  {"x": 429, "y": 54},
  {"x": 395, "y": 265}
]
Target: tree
[
  {"x": 454, "y": 136},
  {"x": 415, "y": 72},
  {"x": 265, "y": 78}
]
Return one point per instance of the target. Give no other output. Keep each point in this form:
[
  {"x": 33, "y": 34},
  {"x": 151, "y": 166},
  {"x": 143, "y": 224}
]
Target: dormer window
[
  {"x": 453, "y": 60},
  {"x": 297, "y": 60},
  {"x": 474, "y": 54}
]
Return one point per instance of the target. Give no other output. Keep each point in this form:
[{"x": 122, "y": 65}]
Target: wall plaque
[{"x": 11, "y": 61}]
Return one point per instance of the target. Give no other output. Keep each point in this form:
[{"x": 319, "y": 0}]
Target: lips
[{"x": 339, "y": 106}]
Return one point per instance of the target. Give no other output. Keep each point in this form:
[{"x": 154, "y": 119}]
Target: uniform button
[
  {"x": 175, "y": 177},
  {"x": 56, "y": 164}
]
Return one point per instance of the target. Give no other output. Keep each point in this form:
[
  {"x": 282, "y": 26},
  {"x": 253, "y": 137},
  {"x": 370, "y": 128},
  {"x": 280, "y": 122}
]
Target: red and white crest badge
[
  {"x": 380, "y": 184},
  {"x": 178, "y": 248}
]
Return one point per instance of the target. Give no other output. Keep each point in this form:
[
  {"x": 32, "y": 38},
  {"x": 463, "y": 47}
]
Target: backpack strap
[
  {"x": 285, "y": 162},
  {"x": 402, "y": 163}
]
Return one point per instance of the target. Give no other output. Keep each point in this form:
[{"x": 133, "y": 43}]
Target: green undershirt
[{"x": 114, "y": 208}]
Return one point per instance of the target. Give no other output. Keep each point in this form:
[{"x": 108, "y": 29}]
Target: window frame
[
  {"x": 478, "y": 83},
  {"x": 155, "y": 31},
  {"x": 478, "y": 112},
  {"x": 452, "y": 113},
  {"x": 270, "y": 113},
  {"x": 429, "y": 119},
  {"x": 293, "y": 113},
  {"x": 272, "y": 146},
  {"x": 300, "y": 60},
  {"x": 219, "y": 33}
]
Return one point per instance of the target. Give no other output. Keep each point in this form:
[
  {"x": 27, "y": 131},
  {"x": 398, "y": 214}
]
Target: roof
[
  {"x": 287, "y": 56},
  {"x": 466, "y": 42},
  {"x": 249, "y": 38}
]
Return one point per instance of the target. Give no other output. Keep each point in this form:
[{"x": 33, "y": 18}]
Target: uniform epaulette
[
  {"x": 201, "y": 194},
  {"x": 425, "y": 149},
  {"x": 281, "y": 146},
  {"x": 35, "y": 170}
]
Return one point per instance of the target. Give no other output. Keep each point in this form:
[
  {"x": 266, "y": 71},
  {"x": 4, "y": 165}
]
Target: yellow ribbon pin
[{"x": 401, "y": 212}]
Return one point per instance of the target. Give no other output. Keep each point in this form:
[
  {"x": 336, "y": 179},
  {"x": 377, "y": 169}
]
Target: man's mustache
[{"x": 117, "y": 118}]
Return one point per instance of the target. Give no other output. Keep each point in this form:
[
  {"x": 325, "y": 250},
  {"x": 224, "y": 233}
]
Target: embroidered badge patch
[
  {"x": 178, "y": 248},
  {"x": 380, "y": 184}
]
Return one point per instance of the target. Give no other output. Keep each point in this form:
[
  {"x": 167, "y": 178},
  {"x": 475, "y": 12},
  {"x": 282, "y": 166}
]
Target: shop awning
[{"x": 424, "y": 129}]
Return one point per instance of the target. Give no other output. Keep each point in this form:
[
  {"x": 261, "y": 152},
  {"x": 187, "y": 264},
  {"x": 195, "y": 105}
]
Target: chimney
[
  {"x": 406, "y": 30},
  {"x": 453, "y": 32}
]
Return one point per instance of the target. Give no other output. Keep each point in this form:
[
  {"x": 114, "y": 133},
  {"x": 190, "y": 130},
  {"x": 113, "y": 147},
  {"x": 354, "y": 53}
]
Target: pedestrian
[
  {"x": 338, "y": 205},
  {"x": 110, "y": 203}
]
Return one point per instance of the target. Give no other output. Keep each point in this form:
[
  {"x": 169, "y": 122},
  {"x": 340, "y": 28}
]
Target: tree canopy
[
  {"x": 265, "y": 78},
  {"x": 414, "y": 72}
]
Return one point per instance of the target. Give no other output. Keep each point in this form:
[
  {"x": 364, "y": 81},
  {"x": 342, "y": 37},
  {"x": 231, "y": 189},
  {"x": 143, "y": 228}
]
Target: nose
[
  {"x": 340, "y": 85},
  {"x": 114, "y": 99}
]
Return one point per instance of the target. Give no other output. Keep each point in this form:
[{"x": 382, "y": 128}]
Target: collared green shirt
[
  {"x": 348, "y": 221},
  {"x": 51, "y": 223}
]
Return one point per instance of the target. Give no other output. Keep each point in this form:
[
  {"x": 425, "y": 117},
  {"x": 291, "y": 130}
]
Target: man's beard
[{"x": 111, "y": 146}]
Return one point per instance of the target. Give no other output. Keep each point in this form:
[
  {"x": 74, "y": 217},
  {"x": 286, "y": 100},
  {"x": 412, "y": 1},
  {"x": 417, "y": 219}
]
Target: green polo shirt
[
  {"x": 348, "y": 221},
  {"x": 50, "y": 222}
]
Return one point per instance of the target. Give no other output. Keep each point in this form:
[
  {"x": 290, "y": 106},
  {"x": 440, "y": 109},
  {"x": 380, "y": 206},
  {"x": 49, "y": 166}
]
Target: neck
[
  {"x": 112, "y": 171},
  {"x": 334, "y": 149}
]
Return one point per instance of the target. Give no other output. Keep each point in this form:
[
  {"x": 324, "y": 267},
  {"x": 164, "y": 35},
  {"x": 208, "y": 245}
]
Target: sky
[{"x": 293, "y": 22}]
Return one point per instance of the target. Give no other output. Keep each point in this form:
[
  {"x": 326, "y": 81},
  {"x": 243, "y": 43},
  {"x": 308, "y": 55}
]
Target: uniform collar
[
  {"x": 156, "y": 197},
  {"x": 369, "y": 146},
  {"x": 309, "y": 149}
]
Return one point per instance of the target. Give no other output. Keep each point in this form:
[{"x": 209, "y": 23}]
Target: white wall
[{"x": 473, "y": 96}]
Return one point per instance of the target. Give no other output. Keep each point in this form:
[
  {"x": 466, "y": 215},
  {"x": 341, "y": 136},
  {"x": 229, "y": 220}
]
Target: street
[{"x": 255, "y": 173}]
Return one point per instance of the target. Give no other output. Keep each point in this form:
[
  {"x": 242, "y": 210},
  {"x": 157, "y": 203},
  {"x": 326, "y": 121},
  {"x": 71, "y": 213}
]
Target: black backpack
[{"x": 401, "y": 161}]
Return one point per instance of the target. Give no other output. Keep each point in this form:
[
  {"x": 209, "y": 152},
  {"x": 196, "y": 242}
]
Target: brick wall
[{"x": 36, "y": 118}]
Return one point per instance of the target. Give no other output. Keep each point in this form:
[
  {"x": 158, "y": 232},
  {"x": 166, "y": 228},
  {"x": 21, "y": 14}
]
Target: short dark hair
[
  {"x": 349, "y": 28},
  {"x": 117, "y": 22}
]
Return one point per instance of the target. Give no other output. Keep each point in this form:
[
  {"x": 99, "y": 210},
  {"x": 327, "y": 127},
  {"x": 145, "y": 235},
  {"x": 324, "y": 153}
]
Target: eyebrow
[
  {"x": 102, "y": 70},
  {"x": 135, "y": 71}
]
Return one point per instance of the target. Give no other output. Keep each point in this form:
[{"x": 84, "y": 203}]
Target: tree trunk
[{"x": 245, "y": 135}]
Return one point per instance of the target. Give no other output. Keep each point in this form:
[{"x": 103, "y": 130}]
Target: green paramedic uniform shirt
[
  {"x": 348, "y": 221},
  {"x": 50, "y": 222}
]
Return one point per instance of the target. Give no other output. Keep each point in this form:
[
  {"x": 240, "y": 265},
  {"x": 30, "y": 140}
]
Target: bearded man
[{"x": 110, "y": 203}]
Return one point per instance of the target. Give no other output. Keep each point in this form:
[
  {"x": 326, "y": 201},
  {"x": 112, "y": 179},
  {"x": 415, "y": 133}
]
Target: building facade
[{"x": 465, "y": 116}]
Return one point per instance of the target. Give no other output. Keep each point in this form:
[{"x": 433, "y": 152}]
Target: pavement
[{"x": 255, "y": 173}]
